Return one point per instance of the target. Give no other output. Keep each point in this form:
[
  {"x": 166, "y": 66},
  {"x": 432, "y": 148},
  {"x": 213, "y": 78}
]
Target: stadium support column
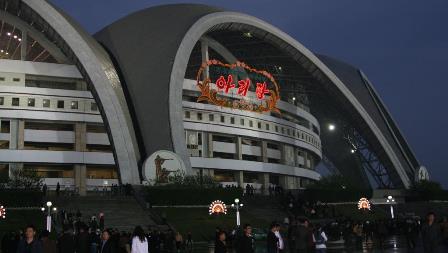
[
  {"x": 80, "y": 169},
  {"x": 264, "y": 180},
  {"x": 16, "y": 139},
  {"x": 239, "y": 177},
  {"x": 264, "y": 151},
  {"x": 239, "y": 148}
]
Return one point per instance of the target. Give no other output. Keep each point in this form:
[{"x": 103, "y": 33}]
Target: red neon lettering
[
  {"x": 243, "y": 86},
  {"x": 222, "y": 83},
  {"x": 261, "y": 90}
]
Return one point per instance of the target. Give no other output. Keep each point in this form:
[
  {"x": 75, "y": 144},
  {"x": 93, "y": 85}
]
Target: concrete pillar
[
  {"x": 239, "y": 148},
  {"x": 17, "y": 134},
  {"x": 209, "y": 145},
  {"x": 23, "y": 45},
  {"x": 81, "y": 178},
  {"x": 264, "y": 151},
  {"x": 239, "y": 178},
  {"x": 205, "y": 57},
  {"x": 80, "y": 169},
  {"x": 264, "y": 181}
]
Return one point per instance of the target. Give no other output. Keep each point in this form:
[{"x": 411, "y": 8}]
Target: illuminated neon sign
[
  {"x": 363, "y": 204},
  {"x": 266, "y": 88}
]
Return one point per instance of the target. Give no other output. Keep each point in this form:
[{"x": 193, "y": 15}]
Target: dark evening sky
[{"x": 401, "y": 45}]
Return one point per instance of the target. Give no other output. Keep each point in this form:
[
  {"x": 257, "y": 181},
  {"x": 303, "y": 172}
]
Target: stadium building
[{"x": 227, "y": 94}]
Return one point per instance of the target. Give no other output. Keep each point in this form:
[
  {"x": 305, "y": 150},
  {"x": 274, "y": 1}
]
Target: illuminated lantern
[
  {"x": 217, "y": 207},
  {"x": 363, "y": 204},
  {"x": 2, "y": 212}
]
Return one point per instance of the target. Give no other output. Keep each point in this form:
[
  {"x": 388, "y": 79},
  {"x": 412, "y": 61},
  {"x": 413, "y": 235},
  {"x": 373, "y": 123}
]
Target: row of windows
[
  {"x": 47, "y": 103},
  {"x": 14, "y": 79},
  {"x": 262, "y": 125}
]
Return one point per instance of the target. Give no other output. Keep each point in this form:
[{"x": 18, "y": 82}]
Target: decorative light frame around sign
[
  {"x": 364, "y": 204},
  {"x": 209, "y": 94},
  {"x": 217, "y": 207}
]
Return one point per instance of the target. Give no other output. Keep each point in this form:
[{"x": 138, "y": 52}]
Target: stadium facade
[{"x": 232, "y": 96}]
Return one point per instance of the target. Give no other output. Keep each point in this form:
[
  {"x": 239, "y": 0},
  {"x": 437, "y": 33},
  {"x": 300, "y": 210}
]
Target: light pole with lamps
[
  {"x": 391, "y": 200},
  {"x": 237, "y": 206},
  {"x": 49, "y": 209}
]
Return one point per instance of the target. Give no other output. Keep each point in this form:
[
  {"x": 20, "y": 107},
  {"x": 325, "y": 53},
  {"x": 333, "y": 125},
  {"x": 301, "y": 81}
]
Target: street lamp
[
  {"x": 237, "y": 206},
  {"x": 391, "y": 200},
  {"x": 49, "y": 204},
  {"x": 331, "y": 127}
]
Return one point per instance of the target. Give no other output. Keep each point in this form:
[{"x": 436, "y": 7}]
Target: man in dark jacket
[
  {"x": 246, "y": 243},
  {"x": 82, "y": 240},
  {"x": 430, "y": 234},
  {"x": 66, "y": 242},
  {"x": 107, "y": 245},
  {"x": 48, "y": 245},
  {"x": 301, "y": 236},
  {"x": 272, "y": 240},
  {"x": 30, "y": 244}
]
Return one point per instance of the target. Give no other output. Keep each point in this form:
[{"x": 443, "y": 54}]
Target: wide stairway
[{"x": 120, "y": 212}]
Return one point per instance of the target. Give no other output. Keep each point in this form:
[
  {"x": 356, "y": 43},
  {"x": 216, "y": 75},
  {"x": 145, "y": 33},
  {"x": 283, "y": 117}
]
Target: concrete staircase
[{"x": 120, "y": 212}]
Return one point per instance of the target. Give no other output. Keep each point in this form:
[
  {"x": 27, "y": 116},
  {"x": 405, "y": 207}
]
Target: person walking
[
  {"x": 179, "y": 241},
  {"x": 272, "y": 240},
  {"x": 281, "y": 243},
  {"x": 220, "y": 243},
  {"x": 301, "y": 236},
  {"x": 30, "y": 244},
  {"x": 107, "y": 245},
  {"x": 67, "y": 242},
  {"x": 48, "y": 245},
  {"x": 58, "y": 189},
  {"x": 82, "y": 240},
  {"x": 139, "y": 241},
  {"x": 246, "y": 243},
  {"x": 320, "y": 239},
  {"x": 430, "y": 234}
]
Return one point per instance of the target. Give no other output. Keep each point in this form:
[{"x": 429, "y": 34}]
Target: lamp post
[
  {"x": 237, "y": 206},
  {"x": 391, "y": 200},
  {"x": 49, "y": 209}
]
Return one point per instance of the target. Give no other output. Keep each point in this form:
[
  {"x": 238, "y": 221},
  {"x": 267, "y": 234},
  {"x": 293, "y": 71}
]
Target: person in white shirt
[
  {"x": 320, "y": 239},
  {"x": 139, "y": 241}
]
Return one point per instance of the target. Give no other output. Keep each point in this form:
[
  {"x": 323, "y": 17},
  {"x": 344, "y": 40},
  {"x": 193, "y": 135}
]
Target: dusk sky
[{"x": 401, "y": 45}]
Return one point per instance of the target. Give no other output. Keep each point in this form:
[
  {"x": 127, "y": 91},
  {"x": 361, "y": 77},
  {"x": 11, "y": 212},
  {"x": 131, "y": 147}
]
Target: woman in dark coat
[{"x": 220, "y": 243}]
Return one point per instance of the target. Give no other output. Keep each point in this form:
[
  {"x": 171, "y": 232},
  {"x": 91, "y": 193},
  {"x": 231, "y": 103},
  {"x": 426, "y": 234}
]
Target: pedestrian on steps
[{"x": 139, "y": 241}]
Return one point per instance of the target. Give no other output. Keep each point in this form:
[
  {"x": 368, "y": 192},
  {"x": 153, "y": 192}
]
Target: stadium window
[
  {"x": 259, "y": 125},
  {"x": 283, "y": 130},
  {"x": 31, "y": 102},
  {"x": 2, "y": 100},
  {"x": 211, "y": 117},
  {"x": 74, "y": 105},
  {"x": 276, "y": 129},
  {"x": 242, "y": 122},
  {"x": 60, "y": 104},
  {"x": 199, "y": 116},
  {"x": 288, "y": 132},
  {"x": 46, "y": 103},
  {"x": 93, "y": 106},
  {"x": 15, "y": 101},
  {"x": 15, "y": 79},
  {"x": 222, "y": 119},
  {"x": 251, "y": 123},
  {"x": 2, "y": 78},
  {"x": 267, "y": 126},
  {"x": 232, "y": 120},
  {"x": 187, "y": 114}
]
